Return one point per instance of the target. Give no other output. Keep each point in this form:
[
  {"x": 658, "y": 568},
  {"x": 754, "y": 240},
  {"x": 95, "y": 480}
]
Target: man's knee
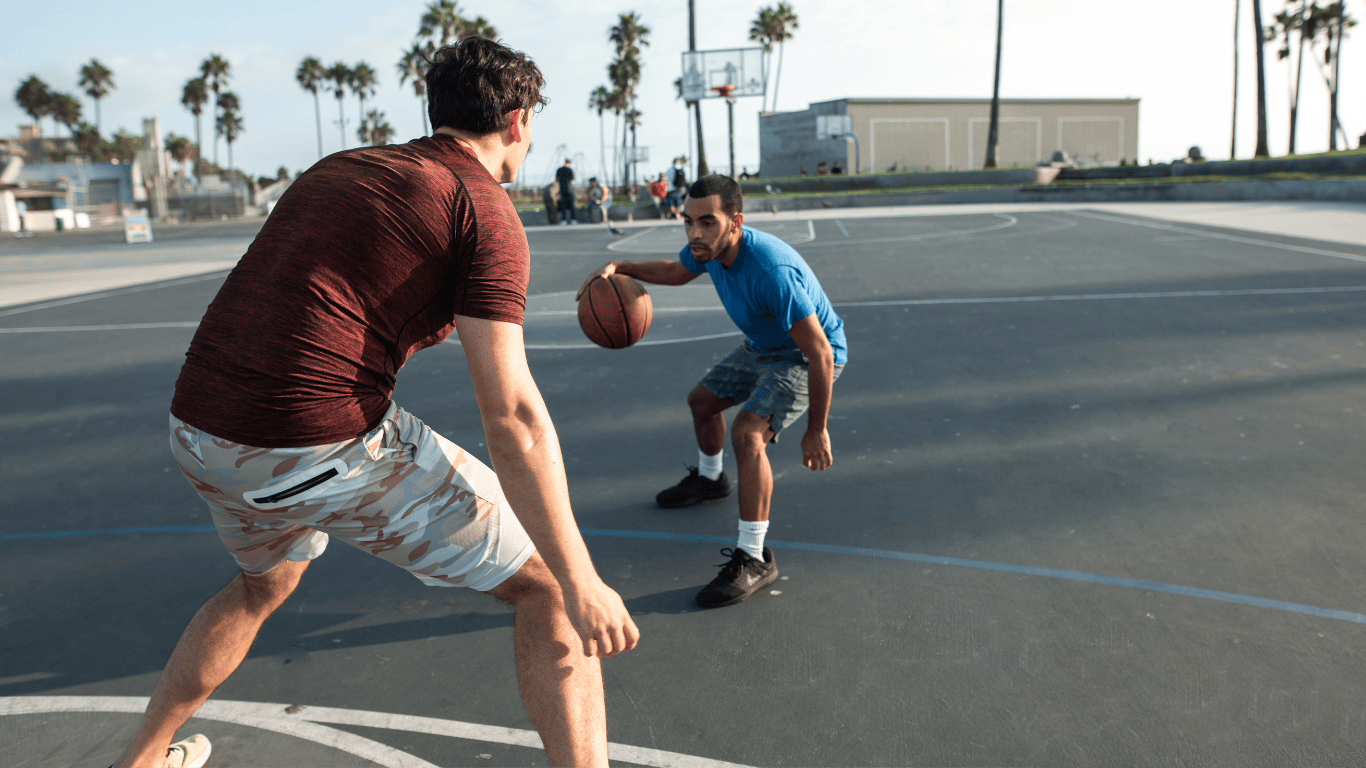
[
  {"x": 533, "y": 581},
  {"x": 751, "y": 433},
  {"x": 704, "y": 404},
  {"x": 268, "y": 591}
]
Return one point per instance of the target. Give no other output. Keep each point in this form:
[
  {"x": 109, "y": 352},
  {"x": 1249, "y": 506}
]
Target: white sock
[
  {"x": 752, "y": 538},
  {"x": 709, "y": 466}
]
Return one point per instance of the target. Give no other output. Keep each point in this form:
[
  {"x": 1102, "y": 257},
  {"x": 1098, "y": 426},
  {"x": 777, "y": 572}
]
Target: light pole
[{"x": 725, "y": 90}]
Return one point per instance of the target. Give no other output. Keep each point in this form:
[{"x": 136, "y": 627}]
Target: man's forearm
[
  {"x": 820, "y": 388},
  {"x": 525, "y": 452},
  {"x": 657, "y": 272}
]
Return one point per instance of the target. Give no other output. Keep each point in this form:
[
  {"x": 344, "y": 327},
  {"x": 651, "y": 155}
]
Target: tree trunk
[
  {"x": 777, "y": 77},
  {"x": 1295, "y": 93},
  {"x": 198, "y": 150},
  {"x": 994, "y": 126},
  {"x": 318, "y": 113},
  {"x": 1333, "y": 91},
  {"x": 702, "y": 168},
  {"x": 215, "y": 128},
  {"x": 1233, "y": 133},
  {"x": 360, "y": 126},
  {"x": 602, "y": 149},
  {"x": 1262, "y": 150},
  {"x": 341, "y": 122}
]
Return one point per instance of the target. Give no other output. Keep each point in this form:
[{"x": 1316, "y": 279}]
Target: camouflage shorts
[{"x": 401, "y": 492}]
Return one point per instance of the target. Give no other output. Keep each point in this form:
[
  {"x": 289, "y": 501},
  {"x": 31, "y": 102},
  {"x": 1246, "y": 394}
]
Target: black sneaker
[
  {"x": 740, "y": 578},
  {"x": 693, "y": 489}
]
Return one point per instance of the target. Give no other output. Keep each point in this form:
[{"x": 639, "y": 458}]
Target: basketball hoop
[{"x": 724, "y": 90}]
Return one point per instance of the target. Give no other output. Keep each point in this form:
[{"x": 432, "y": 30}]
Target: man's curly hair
[{"x": 474, "y": 83}]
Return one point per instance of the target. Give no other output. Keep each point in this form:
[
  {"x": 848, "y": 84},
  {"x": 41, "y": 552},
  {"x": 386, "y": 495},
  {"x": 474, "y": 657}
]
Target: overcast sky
[{"x": 1175, "y": 55}]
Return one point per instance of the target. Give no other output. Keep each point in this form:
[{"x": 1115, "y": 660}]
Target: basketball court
[{"x": 1096, "y": 501}]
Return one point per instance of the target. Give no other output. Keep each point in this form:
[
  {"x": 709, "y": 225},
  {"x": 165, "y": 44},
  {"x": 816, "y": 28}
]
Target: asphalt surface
[{"x": 1095, "y": 501}]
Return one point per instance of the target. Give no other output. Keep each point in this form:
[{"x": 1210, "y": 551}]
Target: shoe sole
[
  {"x": 737, "y": 600},
  {"x": 693, "y": 502}
]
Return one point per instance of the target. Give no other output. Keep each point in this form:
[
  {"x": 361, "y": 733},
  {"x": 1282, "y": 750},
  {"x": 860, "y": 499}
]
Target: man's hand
[
  {"x": 816, "y": 449},
  {"x": 610, "y": 268},
  {"x": 601, "y": 619}
]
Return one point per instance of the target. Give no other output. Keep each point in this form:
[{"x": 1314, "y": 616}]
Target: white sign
[
  {"x": 137, "y": 229},
  {"x": 833, "y": 126},
  {"x": 703, "y": 71}
]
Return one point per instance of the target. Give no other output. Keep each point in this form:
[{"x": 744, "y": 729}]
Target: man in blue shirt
[{"x": 793, "y": 352}]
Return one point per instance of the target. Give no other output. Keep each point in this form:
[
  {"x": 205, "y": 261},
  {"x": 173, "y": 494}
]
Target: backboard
[
  {"x": 833, "y": 126},
  {"x": 705, "y": 70}
]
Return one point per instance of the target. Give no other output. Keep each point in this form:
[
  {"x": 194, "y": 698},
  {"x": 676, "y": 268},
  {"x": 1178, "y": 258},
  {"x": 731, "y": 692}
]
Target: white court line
[
  {"x": 304, "y": 724},
  {"x": 1101, "y": 296},
  {"x": 840, "y": 224},
  {"x": 1010, "y": 222},
  {"x": 1221, "y": 236},
  {"x": 113, "y": 292},
  {"x": 617, "y": 245},
  {"x": 126, "y": 327},
  {"x": 882, "y": 303}
]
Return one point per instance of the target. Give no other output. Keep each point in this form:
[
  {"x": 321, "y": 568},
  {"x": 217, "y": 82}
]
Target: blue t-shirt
[{"x": 767, "y": 290}]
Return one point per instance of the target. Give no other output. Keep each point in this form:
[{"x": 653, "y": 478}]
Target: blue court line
[{"x": 835, "y": 549}]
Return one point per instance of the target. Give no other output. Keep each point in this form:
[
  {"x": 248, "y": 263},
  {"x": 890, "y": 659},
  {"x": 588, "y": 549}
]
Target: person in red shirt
[
  {"x": 282, "y": 418},
  {"x": 658, "y": 189}
]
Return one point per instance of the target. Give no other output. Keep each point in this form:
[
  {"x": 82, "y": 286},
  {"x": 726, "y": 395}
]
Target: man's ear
[
  {"x": 738, "y": 219},
  {"x": 516, "y": 125}
]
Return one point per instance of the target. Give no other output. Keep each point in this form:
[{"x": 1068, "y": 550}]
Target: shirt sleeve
[
  {"x": 689, "y": 263},
  {"x": 785, "y": 292},
  {"x": 494, "y": 278}
]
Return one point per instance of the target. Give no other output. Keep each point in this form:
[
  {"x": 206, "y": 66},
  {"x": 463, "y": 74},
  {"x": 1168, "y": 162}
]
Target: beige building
[{"x": 949, "y": 134}]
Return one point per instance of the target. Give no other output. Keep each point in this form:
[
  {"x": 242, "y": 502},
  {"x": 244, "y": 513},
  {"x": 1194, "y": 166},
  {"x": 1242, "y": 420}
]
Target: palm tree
[
  {"x": 762, "y": 31},
  {"x": 98, "y": 81},
  {"x": 1262, "y": 150},
  {"x": 87, "y": 140},
  {"x": 375, "y": 130},
  {"x": 629, "y": 35},
  {"x": 66, "y": 109},
  {"x": 181, "y": 149},
  {"x": 228, "y": 102},
  {"x": 230, "y": 127},
  {"x": 363, "y": 82},
  {"x": 34, "y": 98},
  {"x": 340, "y": 76},
  {"x": 310, "y": 75},
  {"x": 216, "y": 71},
  {"x": 193, "y": 98},
  {"x": 1289, "y": 25},
  {"x": 786, "y": 20},
  {"x": 442, "y": 21},
  {"x": 993, "y": 130},
  {"x": 479, "y": 27},
  {"x": 601, "y": 100},
  {"x": 124, "y": 147},
  {"x": 413, "y": 66}
]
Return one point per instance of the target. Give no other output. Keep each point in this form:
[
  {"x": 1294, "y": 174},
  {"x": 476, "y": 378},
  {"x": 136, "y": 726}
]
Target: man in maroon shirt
[{"x": 282, "y": 418}]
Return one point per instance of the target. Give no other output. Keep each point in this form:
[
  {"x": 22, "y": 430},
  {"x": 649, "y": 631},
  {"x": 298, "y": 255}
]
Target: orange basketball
[{"x": 616, "y": 312}]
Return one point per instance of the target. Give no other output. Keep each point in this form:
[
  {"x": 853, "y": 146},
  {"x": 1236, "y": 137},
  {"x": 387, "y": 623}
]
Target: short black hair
[
  {"x": 474, "y": 83},
  {"x": 724, "y": 186}
]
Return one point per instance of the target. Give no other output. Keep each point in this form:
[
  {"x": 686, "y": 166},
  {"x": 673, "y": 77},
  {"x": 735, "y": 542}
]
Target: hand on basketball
[
  {"x": 601, "y": 619},
  {"x": 816, "y": 449},
  {"x": 610, "y": 268}
]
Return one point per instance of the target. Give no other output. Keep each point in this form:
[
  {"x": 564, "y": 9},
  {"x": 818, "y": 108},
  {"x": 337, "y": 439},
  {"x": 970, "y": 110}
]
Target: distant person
[
  {"x": 550, "y": 196},
  {"x": 820, "y": 169},
  {"x": 837, "y": 170},
  {"x": 658, "y": 189},
  {"x": 803, "y": 172},
  {"x": 565, "y": 176},
  {"x": 787, "y": 365},
  {"x": 599, "y": 201},
  {"x": 283, "y": 423},
  {"x": 676, "y": 193},
  {"x": 744, "y": 173}
]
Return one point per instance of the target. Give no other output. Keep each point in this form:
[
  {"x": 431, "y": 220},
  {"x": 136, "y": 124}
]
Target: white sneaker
[
  {"x": 564, "y": 223},
  {"x": 189, "y": 753}
]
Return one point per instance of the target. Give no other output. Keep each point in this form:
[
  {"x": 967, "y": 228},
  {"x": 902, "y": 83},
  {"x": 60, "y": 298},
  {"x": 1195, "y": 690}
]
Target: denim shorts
[
  {"x": 769, "y": 384},
  {"x": 401, "y": 492}
]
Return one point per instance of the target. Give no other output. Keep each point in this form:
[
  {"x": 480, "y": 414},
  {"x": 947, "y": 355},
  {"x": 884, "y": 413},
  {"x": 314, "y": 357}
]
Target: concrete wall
[
  {"x": 75, "y": 173},
  {"x": 949, "y": 134},
  {"x": 9, "y": 213}
]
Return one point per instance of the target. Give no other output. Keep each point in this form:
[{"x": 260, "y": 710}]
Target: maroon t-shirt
[{"x": 366, "y": 259}]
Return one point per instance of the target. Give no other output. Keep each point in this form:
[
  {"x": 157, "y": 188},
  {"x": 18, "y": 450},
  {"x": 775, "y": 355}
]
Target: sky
[{"x": 1174, "y": 55}]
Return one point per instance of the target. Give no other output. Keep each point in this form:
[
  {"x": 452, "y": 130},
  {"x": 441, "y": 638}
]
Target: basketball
[{"x": 616, "y": 312}]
